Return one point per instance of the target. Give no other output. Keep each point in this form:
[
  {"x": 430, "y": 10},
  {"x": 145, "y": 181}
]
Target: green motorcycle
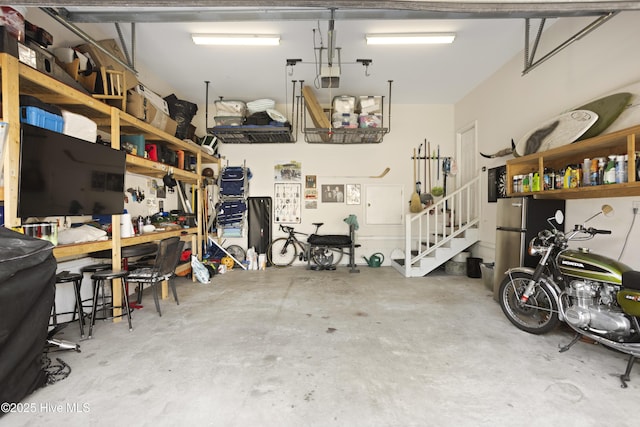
[{"x": 598, "y": 297}]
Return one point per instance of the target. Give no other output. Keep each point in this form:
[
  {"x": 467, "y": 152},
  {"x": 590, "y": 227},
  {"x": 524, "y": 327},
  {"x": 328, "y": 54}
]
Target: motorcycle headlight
[{"x": 535, "y": 246}]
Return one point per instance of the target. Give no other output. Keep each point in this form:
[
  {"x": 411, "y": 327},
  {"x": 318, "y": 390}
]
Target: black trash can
[
  {"x": 27, "y": 293},
  {"x": 473, "y": 268}
]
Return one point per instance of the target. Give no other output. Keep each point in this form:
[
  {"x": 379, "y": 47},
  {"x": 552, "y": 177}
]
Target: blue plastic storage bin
[
  {"x": 133, "y": 144},
  {"x": 38, "y": 117}
]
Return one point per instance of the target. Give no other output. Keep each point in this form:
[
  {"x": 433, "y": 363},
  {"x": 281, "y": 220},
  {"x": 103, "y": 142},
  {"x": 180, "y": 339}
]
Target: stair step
[{"x": 438, "y": 256}]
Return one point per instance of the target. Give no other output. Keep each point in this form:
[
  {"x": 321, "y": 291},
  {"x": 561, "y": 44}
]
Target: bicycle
[{"x": 325, "y": 251}]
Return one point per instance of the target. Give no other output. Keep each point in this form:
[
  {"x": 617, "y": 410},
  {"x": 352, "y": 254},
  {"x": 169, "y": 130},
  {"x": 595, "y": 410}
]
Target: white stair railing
[{"x": 439, "y": 223}]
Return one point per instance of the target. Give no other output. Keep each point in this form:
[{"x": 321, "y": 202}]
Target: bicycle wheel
[
  {"x": 325, "y": 256},
  {"x": 282, "y": 252}
]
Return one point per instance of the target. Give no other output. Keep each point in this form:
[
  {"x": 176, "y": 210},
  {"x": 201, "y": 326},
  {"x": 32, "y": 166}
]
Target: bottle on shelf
[
  {"x": 593, "y": 178},
  {"x": 568, "y": 174},
  {"x": 576, "y": 176},
  {"x": 586, "y": 172},
  {"x": 559, "y": 179},
  {"x": 535, "y": 182},
  {"x": 601, "y": 166},
  {"x": 549, "y": 179},
  {"x": 610, "y": 171},
  {"x": 619, "y": 169},
  {"x": 526, "y": 187}
]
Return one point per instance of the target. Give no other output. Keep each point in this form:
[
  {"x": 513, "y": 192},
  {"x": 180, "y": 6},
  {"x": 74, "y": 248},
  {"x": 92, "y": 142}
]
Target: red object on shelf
[{"x": 152, "y": 151}]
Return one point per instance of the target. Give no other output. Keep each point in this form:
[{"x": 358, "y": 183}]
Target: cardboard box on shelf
[
  {"x": 102, "y": 59},
  {"x": 141, "y": 108},
  {"x": 154, "y": 98}
]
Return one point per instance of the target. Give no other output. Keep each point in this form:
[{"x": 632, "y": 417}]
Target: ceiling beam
[
  {"x": 245, "y": 10},
  {"x": 530, "y": 64}
]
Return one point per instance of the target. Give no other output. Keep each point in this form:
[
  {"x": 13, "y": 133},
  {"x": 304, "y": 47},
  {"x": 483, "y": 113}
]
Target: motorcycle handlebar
[{"x": 596, "y": 231}]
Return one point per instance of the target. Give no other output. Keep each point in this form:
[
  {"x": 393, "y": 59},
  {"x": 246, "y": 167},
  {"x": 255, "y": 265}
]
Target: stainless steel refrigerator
[{"x": 518, "y": 220}]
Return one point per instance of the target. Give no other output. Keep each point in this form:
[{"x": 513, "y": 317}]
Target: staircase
[{"x": 440, "y": 232}]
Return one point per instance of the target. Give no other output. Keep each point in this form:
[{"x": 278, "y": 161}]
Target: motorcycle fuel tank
[
  {"x": 629, "y": 300},
  {"x": 586, "y": 265}
]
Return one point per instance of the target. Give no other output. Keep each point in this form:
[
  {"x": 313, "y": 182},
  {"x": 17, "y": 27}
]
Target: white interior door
[{"x": 466, "y": 157}]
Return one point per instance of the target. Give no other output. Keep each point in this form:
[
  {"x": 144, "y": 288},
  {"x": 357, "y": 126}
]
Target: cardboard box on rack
[{"x": 141, "y": 108}]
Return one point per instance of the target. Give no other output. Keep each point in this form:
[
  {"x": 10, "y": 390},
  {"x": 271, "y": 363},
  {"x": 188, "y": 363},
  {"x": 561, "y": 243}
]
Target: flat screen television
[{"x": 65, "y": 176}]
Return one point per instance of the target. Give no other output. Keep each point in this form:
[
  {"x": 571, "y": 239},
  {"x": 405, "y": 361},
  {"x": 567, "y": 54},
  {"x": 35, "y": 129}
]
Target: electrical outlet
[{"x": 636, "y": 206}]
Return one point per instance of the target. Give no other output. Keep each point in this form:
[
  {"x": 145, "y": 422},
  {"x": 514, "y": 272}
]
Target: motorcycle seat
[{"x": 631, "y": 279}]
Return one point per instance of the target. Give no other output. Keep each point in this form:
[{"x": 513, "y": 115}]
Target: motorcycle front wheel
[{"x": 538, "y": 315}]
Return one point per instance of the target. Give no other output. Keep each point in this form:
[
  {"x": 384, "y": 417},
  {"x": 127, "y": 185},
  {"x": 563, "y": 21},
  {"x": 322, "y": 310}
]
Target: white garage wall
[
  {"x": 410, "y": 124},
  {"x": 508, "y": 104}
]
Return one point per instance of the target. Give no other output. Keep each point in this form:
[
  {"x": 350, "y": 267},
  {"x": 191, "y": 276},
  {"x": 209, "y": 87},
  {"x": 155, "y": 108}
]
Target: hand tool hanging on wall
[
  {"x": 426, "y": 197},
  {"x": 416, "y": 205},
  {"x": 438, "y": 165},
  {"x": 446, "y": 168},
  {"x": 436, "y": 190},
  {"x": 418, "y": 183}
]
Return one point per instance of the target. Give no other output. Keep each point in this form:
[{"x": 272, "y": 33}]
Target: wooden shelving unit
[
  {"x": 623, "y": 142},
  {"x": 19, "y": 79}
]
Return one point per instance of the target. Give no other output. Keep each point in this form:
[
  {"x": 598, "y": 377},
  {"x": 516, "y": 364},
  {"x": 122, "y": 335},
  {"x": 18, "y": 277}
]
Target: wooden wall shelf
[{"x": 621, "y": 142}]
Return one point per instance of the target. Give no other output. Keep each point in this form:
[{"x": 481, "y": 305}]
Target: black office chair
[{"x": 167, "y": 258}]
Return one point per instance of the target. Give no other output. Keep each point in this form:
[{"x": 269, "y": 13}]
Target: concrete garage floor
[{"x": 291, "y": 347}]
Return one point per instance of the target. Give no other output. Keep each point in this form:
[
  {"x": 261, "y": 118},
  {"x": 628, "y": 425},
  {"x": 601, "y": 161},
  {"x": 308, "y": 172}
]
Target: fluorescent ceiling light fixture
[
  {"x": 411, "y": 38},
  {"x": 236, "y": 39}
]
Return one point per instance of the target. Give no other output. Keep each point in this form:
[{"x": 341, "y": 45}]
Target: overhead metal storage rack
[
  {"x": 345, "y": 136},
  {"x": 341, "y": 135},
  {"x": 253, "y": 134}
]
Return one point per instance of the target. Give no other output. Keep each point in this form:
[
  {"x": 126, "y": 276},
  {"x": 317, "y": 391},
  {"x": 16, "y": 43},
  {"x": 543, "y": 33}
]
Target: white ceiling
[
  {"x": 426, "y": 74},
  {"x": 421, "y": 74}
]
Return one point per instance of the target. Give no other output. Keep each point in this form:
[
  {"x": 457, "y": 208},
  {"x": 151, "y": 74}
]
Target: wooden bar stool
[
  {"x": 99, "y": 278},
  {"x": 76, "y": 279}
]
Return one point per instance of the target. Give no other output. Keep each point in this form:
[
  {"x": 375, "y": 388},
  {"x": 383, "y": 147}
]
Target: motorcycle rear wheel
[{"x": 538, "y": 315}]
